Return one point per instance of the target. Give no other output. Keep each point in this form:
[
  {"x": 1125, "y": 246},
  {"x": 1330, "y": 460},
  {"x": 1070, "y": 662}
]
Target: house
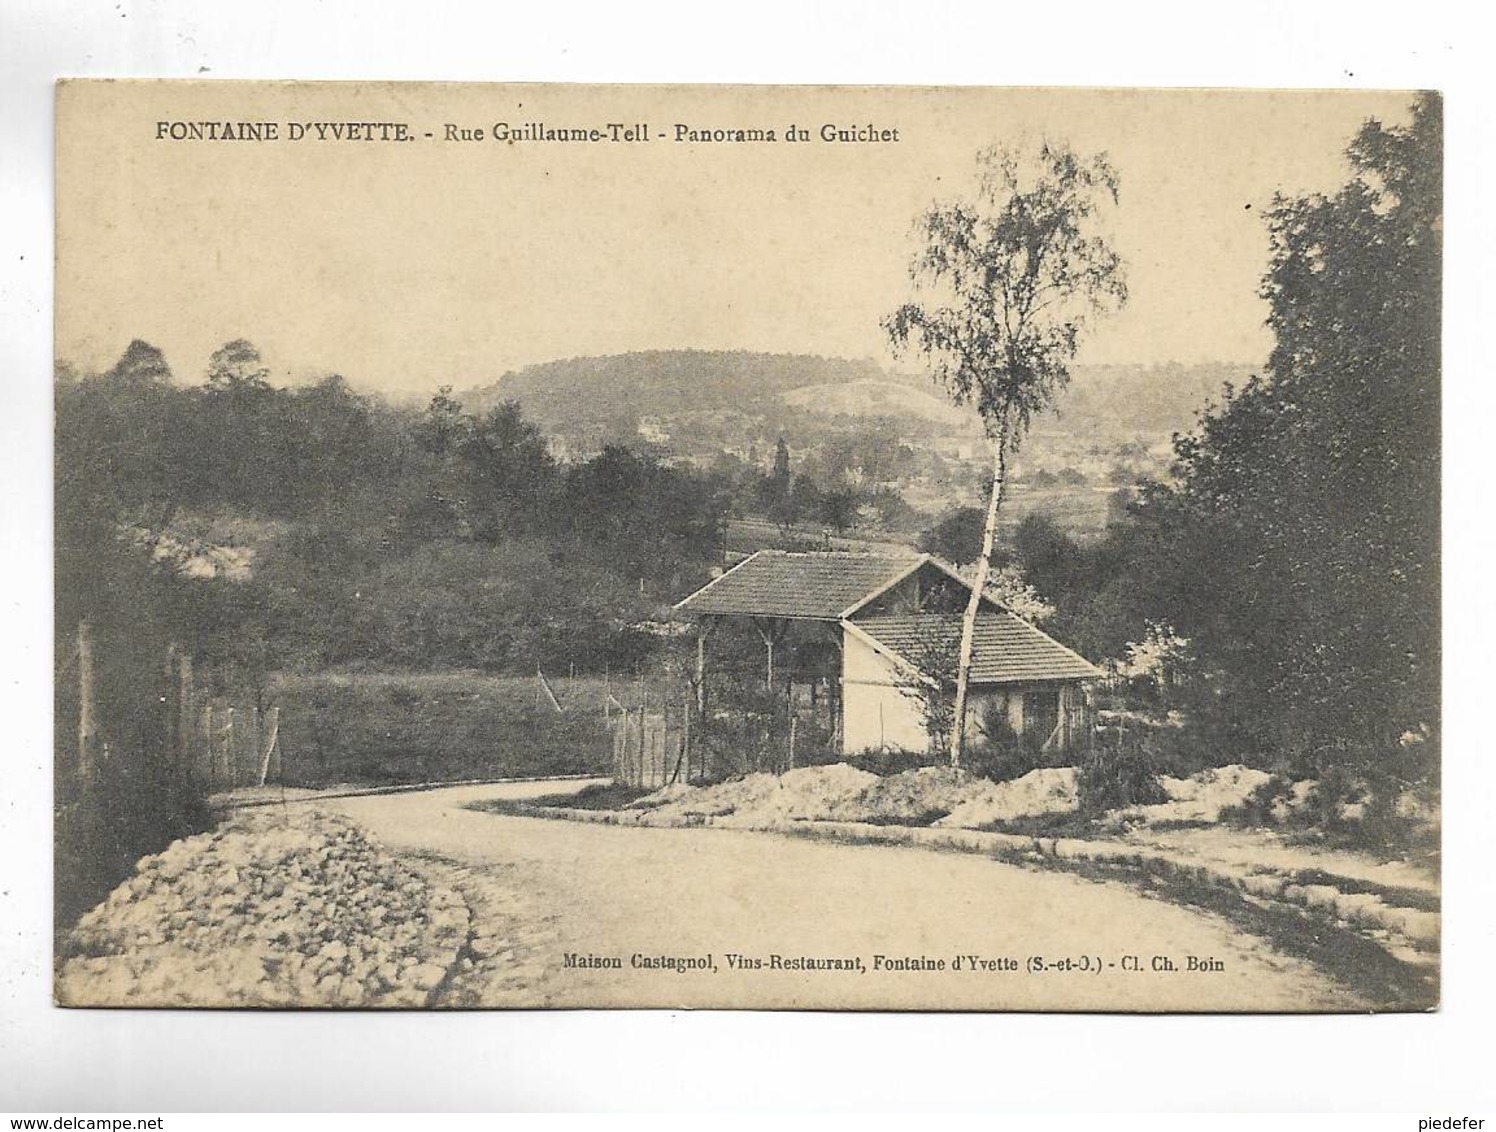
[{"x": 875, "y": 622}]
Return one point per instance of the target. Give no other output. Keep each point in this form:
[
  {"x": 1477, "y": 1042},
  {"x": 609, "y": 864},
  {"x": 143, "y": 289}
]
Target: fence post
[
  {"x": 184, "y": 715},
  {"x": 685, "y": 732},
  {"x": 205, "y": 722},
  {"x": 227, "y": 757},
  {"x": 254, "y": 740},
  {"x": 274, "y": 725},
  {"x": 87, "y": 707}
]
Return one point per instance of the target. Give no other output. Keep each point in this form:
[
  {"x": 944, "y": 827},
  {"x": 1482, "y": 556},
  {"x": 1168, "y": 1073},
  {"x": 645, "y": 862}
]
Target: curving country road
[{"x": 621, "y": 892}]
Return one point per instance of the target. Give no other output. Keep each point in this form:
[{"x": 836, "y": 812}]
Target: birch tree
[{"x": 1005, "y": 286}]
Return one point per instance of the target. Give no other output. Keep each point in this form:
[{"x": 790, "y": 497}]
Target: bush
[
  {"x": 894, "y": 760},
  {"x": 1263, "y": 806},
  {"x": 1117, "y": 776},
  {"x": 1000, "y": 753}
]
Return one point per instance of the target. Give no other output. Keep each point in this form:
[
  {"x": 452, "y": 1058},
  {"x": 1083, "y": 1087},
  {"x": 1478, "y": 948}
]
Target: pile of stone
[
  {"x": 805, "y": 794},
  {"x": 912, "y": 797},
  {"x": 1047, "y": 790},
  {"x": 273, "y": 908},
  {"x": 844, "y": 793},
  {"x": 1202, "y": 797}
]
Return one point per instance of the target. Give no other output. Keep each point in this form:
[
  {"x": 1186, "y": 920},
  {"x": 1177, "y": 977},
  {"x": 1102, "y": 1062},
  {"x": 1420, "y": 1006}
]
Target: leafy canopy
[{"x": 1013, "y": 279}]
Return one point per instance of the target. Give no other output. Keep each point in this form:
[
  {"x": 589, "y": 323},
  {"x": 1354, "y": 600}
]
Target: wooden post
[
  {"x": 546, "y": 687},
  {"x": 184, "y": 715},
  {"x": 205, "y": 721},
  {"x": 276, "y": 756},
  {"x": 834, "y": 692},
  {"x": 685, "y": 733},
  {"x": 226, "y": 759},
  {"x": 172, "y": 724},
  {"x": 254, "y": 741},
  {"x": 771, "y": 637},
  {"x": 701, "y": 635},
  {"x": 793, "y": 721},
  {"x": 274, "y": 733},
  {"x": 87, "y": 704}
]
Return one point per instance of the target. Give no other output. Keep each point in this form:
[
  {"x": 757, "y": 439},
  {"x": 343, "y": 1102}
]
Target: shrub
[
  {"x": 1116, "y": 776},
  {"x": 894, "y": 760},
  {"x": 1000, "y": 753},
  {"x": 1263, "y": 806}
]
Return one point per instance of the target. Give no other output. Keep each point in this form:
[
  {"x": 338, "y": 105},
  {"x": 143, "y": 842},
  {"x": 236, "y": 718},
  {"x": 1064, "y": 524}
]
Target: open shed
[{"x": 881, "y": 615}]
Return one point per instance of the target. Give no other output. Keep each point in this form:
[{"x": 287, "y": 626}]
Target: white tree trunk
[{"x": 978, "y": 585}]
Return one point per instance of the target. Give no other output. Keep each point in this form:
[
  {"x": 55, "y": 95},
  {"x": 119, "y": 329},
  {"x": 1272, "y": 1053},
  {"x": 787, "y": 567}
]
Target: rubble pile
[
  {"x": 270, "y": 909},
  {"x": 1048, "y": 790},
  {"x": 844, "y": 793},
  {"x": 1200, "y": 797},
  {"x": 807, "y": 794},
  {"x": 909, "y": 797}
]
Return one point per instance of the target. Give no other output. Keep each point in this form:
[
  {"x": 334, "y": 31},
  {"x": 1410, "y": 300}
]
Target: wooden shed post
[{"x": 771, "y": 636}]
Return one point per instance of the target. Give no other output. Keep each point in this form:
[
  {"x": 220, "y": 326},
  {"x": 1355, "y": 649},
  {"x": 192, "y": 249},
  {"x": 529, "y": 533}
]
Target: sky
[{"x": 413, "y": 265}]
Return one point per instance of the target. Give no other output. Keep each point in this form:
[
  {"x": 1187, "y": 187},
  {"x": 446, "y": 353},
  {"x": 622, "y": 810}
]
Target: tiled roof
[
  {"x": 818, "y": 586},
  {"x": 1006, "y": 649}
]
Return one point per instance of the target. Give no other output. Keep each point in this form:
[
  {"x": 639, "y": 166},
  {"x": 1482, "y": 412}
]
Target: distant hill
[
  {"x": 1147, "y": 398},
  {"x": 881, "y": 397},
  {"x": 851, "y": 422},
  {"x": 585, "y": 394},
  {"x": 712, "y": 400}
]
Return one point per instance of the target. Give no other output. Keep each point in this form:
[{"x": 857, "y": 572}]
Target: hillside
[
  {"x": 587, "y": 400},
  {"x": 851, "y": 422}
]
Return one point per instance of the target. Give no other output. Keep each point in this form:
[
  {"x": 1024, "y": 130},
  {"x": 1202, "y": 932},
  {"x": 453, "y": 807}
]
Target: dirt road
[{"x": 655, "y": 901}]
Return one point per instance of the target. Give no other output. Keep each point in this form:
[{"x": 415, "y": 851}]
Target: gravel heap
[
  {"x": 1048, "y": 790},
  {"x": 806, "y": 794},
  {"x": 1201, "y": 797},
  {"x": 909, "y": 797},
  {"x": 844, "y": 793},
  {"x": 269, "y": 909}
]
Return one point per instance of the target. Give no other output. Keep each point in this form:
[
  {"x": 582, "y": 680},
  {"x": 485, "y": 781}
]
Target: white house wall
[{"x": 875, "y": 713}]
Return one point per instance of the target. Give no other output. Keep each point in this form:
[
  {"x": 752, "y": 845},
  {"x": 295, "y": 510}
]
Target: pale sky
[{"x": 408, "y": 266}]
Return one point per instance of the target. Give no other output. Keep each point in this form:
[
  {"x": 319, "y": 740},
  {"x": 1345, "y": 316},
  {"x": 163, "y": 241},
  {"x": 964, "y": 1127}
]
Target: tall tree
[
  {"x": 1307, "y": 506},
  {"x": 1011, "y": 280},
  {"x": 141, "y": 364},
  {"x": 236, "y": 368}
]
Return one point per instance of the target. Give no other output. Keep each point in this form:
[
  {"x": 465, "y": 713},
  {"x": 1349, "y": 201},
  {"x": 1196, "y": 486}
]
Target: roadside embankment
[
  {"x": 282, "y": 908},
  {"x": 1384, "y": 914}
]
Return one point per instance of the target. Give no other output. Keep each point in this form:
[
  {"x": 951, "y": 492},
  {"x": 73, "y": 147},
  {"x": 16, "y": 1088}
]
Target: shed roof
[
  {"x": 816, "y": 586},
  {"x": 1006, "y": 649}
]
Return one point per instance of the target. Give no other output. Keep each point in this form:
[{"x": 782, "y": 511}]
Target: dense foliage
[
  {"x": 315, "y": 526},
  {"x": 1296, "y": 546},
  {"x": 1305, "y": 520}
]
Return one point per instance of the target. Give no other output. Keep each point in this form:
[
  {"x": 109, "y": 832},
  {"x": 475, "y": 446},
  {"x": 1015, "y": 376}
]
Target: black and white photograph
[{"x": 747, "y": 547}]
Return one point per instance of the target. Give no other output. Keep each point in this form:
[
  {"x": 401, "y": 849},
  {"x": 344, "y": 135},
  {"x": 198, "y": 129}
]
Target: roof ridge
[{"x": 682, "y": 602}]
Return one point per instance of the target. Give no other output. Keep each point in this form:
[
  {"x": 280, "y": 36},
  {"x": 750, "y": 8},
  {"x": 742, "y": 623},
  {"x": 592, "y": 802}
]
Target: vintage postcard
[{"x": 747, "y": 547}]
